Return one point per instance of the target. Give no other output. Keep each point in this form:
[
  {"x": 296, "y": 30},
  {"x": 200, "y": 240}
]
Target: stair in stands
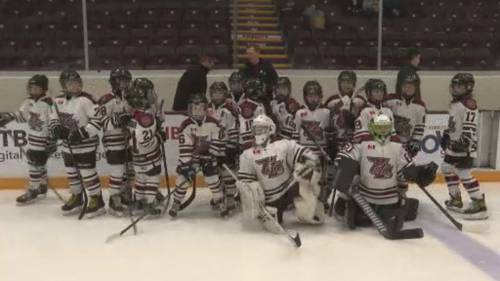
[{"x": 257, "y": 24}]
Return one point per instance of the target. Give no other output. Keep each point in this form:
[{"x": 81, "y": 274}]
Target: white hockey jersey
[
  {"x": 200, "y": 141},
  {"x": 317, "y": 122},
  {"x": 380, "y": 168},
  {"x": 340, "y": 105},
  {"x": 228, "y": 121},
  {"x": 249, "y": 109},
  {"x": 285, "y": 115},
  {"x": 365, "y": 116},
  {"x": 36, "y": 113},
  {"x": 113, "y": 137},
  {"x": 145, "y": 144},
  {"x": 272, "y": 166},
  {"x": 464, "y": 117},
  {"x": 76, "y": 112},
  {"x": 409, "y": 118}
]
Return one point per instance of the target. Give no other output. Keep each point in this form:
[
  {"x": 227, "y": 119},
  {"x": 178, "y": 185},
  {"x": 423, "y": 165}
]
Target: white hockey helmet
[{"x": 263, "y": 128}]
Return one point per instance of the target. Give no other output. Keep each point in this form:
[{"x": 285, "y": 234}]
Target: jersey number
[
  {"x": 470, "y": 116},
  {"x": 147, "y": 135}
]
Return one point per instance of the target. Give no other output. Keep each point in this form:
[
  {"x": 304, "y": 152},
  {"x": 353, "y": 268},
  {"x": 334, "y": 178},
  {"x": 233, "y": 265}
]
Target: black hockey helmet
[
  {"x": 117, "y": 75},
  {"x": 465, "y": 79},
  {"x": 235, "y": 77},
  {"x": 254, "y": 89},
  {"x": 39, "y": 80},
  {"x": 283, "y": 88},
  {"x": 69, "y": 75},
  {"x": 197, "y": 107},
  {"x": 413, "y": 79},
  {"x": 218, "y": 87},
  {"x": 347, "y": 76},
  {"x": 312, "y": 87},
  {"x": 142, "y": 94},
  {"x": 373, "y": 85}
]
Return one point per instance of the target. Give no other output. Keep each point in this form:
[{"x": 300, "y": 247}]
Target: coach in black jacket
[
  {"x": 413, "y": 56},
  {"x": 193, "y": 81}
]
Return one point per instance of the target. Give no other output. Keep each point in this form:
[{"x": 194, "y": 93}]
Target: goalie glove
[{"x": 423, "y": 175}]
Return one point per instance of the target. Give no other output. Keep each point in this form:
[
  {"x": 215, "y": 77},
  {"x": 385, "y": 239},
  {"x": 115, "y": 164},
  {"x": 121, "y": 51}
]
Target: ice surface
[{"x": 38, "y": 243}]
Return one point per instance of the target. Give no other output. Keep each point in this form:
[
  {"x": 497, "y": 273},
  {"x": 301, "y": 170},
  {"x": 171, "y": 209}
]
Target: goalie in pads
[{"x": 276, "y": 174}]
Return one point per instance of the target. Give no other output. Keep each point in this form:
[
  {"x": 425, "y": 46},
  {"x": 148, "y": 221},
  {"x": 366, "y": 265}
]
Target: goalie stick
[
  {"x": 80, "y": 179},
  {"x": 293, "y": 236}
]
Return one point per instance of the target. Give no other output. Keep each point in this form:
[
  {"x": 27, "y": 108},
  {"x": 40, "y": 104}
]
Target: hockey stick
[
  {"x": 293, "y": 236},
  {"x": 164, "y": 158},
  {"x": 85, "y": 199},
  {"x": 458, "y": 225},
  {"x": 126, "y": 137}
]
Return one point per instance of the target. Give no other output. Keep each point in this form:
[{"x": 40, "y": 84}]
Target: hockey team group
[{"x": 350, "y": 155}]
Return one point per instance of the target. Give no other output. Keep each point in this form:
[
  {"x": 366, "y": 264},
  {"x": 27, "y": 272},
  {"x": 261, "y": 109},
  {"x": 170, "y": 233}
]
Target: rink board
[{"x": 13, "y": 167}]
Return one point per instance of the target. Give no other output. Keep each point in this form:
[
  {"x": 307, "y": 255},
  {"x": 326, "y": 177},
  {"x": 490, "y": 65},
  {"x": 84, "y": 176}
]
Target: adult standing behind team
[
  {"x": 413, "y": 56},
  {"x": 193, "y": 81}
]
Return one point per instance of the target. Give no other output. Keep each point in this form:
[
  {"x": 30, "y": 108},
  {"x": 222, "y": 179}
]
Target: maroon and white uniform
[
  {"x": 317, "y": 122},
  {"x": 366, "y": 114},
  {"x": 340, "y": 106},
  {"x": 249, "y": 109},
  {"x": 380, "y": 167},
  {"x": 79, "y": 112},
  {"x": 285, "y": 116},
  {"x": 409, "y": 117},
  {"x": 228, "y": 120}
]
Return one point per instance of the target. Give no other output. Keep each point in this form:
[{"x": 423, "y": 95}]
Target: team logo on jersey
[
  {"x": 314, "y": 128},
  {"x": 381, "y": 168},
  {"x": 271, "y": 167},
  {"x": 67, "y": 120},
  {"x": 35, "y": 122},
  {"x": 402, "y": 126}
]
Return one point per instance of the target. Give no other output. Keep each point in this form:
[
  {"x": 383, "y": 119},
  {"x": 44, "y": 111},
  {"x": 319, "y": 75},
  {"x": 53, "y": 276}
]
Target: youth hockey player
[
  {"x": 222, "y": 111},
  {"x": 35, "y": 111},
  {"x": 460, "y": 145},
  {"x": 201, "y": 143},
  {"x": 116, "y": 115},
  {"x": 266, "y": 175},
  {"x": 145, "y": 140},
  {"x": 250, "y": 107},
  {"x": 381, "y": 162},
  {"x": 376, "y": 93},
  {"x": 75, "y": 119},
  {"x": 284, "y": 108},
  {"x": 409, "y": 113},
  {"x": 235, "y": 83}
]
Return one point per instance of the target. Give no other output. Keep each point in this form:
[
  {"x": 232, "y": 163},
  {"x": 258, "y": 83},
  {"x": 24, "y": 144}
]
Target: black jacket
[
  {"x": 193, "y": 81},
  {"x": 403, "y": 72},
  {"x": 263, "y": 70}
]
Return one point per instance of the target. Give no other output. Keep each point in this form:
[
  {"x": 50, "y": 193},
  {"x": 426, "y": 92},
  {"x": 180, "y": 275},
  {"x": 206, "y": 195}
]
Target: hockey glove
[
  {"x": 423, "y": 175},
  {"x": 5, "y": 118},
  {"x": 121, "y": 119},
  {"x": 445, "y": 140},
  {"x": 60, "y": 132},
  {"x": 413, "y": 147},
  {"x": 77, "y": 136},
  {"x": 187, "y": 171},
  {"x": 461, "y": 145}
]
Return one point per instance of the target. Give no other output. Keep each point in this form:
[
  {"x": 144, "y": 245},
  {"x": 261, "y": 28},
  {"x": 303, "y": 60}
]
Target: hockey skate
[
  {"x": 454, "y": 203},
  {"x": 31, "y": 195},
  {"x": 116, "y": 208},
  {"x": 176, "y": 205},
  {"x": 126, "y": 196},
  {"x": 153, "y": 210},
  {"x": 476, "y": 210},
  {"x": 73, "y": 205},
  {"x": 95, "y": 207},
  {"x": 230, "y": 206}
]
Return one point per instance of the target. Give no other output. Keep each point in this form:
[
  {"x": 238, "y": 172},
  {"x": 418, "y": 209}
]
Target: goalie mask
[
  {"x": 120, "y": 79},
  {"x": 312, "y": 94},
  {"x": 380, "y": 128},
  {"x": 142, "y": 94},
  {"x": 37, "y": 85},
  {"x": 197, "y": 107},
  {"x": 263, "y": 128},
  {"x": 283, "y": 89},
  {"x": 218, "y": 93},
  {"x": 254, "y": 89},
  {"x": 346, "y": 82},
  {"x": 71, "y": 82},
  {"x": 376, "y": 91},
  {"x": 461, "y": 85}
]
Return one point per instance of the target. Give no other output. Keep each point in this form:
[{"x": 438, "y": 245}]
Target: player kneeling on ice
[
  {"x": 273, "y": 175},
  {"x": 35, "y": 111},
  {"x": 381, "y": 162},
  {"x": 201, "y": 143},
  {"x": 146, "y": 138}
]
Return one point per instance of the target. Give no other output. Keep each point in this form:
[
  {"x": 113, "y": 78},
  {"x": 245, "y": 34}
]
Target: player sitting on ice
[
  {"x": 201, "y": 144},
  {"x": 376, "y": 93},
  {"x": 277, "y": 174},
  {"x": 250, "y": 107},
  {"x": 116, "y": 115},
  {"x": 409, "y": 113},
  {"x": 284, "y": 108},
  {"x": 460, "y": 145},
  {"x": 146, "y": 137},
  {"x": 76, "y": 120},
  {"x": 35, "y": 111},
  {"x": 221, "y": 109},
  {"x": 381, "y": 162}
]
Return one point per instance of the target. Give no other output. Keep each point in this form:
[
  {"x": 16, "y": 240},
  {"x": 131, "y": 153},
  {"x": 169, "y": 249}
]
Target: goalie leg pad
[
  {"x": 267, "y": 218},
  {"x": 252, "y": 199}
]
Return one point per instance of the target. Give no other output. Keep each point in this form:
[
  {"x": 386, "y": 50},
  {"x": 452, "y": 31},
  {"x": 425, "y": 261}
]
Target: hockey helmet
[
  {"x": 218, "y": 92},
  {"x": 67, "y": 76},
  {"x": 462, "y": 84},
  {"x": 346, "y": 82},
  {"x": 38, "y": 80},
  {"x": 254, "y": 89},
  {"x": 263, "y": 128},
  {"x": 380, "y": 127},
  {"x": 410, "y": 86},
  {"x": 312, "y": 94},
  {"x": 235, "y": 82},
  {"x": 376, "y": 91},
  {"x": 197, "y": 107},
  {"x": 283, "y": 88},
  {"x": 120, "y": 79},
  {"x": 142, "y": 94}
]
